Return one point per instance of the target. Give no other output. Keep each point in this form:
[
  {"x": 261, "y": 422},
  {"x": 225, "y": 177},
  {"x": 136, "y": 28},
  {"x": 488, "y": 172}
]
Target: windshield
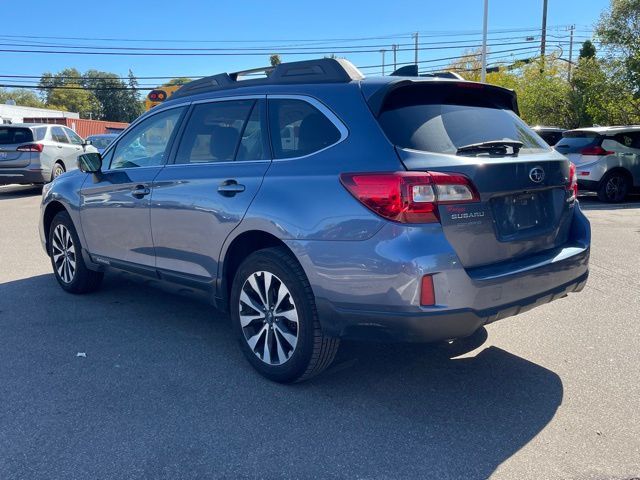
[
  {"x": 446, "y": 128},
  {"x": 101, "y": 142},
  {"x": 11, "y": 135}
]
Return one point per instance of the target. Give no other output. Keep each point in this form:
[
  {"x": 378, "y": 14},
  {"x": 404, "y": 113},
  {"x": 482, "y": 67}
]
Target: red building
[{"x": 81, "y": 126}]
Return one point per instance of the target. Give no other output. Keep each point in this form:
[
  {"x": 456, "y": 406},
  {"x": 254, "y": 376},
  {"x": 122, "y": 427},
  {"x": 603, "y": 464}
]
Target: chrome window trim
[{"x": 322, "y": 108}]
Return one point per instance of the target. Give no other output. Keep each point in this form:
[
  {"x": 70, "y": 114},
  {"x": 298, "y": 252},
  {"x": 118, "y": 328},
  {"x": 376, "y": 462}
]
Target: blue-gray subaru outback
[{"x": 314, "y": 204}]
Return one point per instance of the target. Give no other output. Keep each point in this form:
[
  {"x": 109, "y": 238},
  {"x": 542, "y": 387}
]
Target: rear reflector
[
  {"x": 595, "y": 150},
  {"x": 30, "y": 147},
  {"x": 427, "y": 295},
  {"x": 409, "y": 197}
]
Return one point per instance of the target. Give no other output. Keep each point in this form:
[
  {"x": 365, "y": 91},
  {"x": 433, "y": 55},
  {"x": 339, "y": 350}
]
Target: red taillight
[
  {"x": 409, "y": 197},
  {"x": 30, "y": 147},
  {"x": 427, "y": 295},
  {"x": 595, "y": 150},
  {"x": 572, "y": 186}
]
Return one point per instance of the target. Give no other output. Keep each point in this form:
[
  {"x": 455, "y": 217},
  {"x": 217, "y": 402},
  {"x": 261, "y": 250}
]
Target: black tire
[
  {"x": 58, "y": 169},
  {"x": 313, "y": 351},
  {"x": 614, "y": 187},
  {"x": 82, "y": 280}
]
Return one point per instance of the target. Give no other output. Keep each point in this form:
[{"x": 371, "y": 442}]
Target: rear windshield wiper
[{"x": 498, "y": 147}]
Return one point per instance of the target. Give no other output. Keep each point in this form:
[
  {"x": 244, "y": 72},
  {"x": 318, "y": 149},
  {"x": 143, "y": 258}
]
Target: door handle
[
  {"x": 140, "y": 191},
  {"x": 229, "y": 188},
  {"x": 59, "y": 146}
]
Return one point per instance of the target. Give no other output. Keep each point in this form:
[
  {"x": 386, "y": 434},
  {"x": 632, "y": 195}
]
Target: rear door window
[
  {"x": 298, "y": 128},
  {"x": 12, "y": 135},
  {"x": 57, "y": 135},
  {"x": 221, "y": 132}
]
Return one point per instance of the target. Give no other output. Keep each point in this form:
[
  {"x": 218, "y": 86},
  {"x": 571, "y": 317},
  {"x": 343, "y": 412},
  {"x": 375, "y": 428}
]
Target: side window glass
[
  {"x": 73, "y": 136},
  {"x": 213, "y": 131},
  {"x": 298, "y": 128},
  {"x": 252, "y": 143},
  {"x": 39, "y": 133},
  {"x": 146, "y": 144},
  {"x": 57, "y": 135}
]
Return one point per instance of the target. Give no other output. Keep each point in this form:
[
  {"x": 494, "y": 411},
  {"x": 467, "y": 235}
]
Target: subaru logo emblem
[{"x": 536, "y": 174}]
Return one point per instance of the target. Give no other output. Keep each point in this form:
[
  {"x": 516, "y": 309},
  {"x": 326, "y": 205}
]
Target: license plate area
[{"x": 522, "y": 214}]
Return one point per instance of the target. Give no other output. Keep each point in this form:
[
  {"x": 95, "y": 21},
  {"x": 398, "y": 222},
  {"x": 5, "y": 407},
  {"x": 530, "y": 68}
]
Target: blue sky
[{"x": 271, "y": 25}]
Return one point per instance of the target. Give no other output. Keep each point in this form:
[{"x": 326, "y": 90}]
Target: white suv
[
  {"x": 607, "y": 159},
  {"x": 36, "y": 153}
]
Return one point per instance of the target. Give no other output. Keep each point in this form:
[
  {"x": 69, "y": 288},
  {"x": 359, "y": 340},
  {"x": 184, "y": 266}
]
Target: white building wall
[{"x": 16, "y": 113}]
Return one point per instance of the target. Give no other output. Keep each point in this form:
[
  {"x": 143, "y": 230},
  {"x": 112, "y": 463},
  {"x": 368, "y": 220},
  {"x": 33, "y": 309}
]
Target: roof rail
[{"x": 322, "y": 70}]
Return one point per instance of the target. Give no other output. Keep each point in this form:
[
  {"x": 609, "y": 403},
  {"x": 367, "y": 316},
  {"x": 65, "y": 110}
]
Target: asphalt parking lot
[{"x": 164, "y": 392}]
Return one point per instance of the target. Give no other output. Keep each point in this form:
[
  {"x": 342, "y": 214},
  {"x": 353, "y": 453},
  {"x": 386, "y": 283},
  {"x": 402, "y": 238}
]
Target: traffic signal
[{"x": 157, "y": 95}]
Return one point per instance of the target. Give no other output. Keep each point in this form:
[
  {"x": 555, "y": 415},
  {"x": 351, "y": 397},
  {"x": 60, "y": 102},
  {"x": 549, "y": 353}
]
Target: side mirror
[
  {"x": 86, "y": 142},
  {"x": 90, "y": 162}
]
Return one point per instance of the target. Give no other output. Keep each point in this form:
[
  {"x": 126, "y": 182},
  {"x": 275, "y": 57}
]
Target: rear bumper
[
  {"x": 588, "y": 185},
  {"x": 429, "y": 326},
  {"x": 371, "y": 289},
  {"x": 10, "y": 176}
]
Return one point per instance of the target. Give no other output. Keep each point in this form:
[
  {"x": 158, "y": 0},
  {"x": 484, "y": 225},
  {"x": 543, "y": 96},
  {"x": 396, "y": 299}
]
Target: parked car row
[{"x": 33, "y": 153}]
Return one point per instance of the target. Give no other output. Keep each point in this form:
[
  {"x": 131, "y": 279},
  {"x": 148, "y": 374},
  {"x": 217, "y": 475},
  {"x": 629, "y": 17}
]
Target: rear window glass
[
  {"x": 573, "y": 142},
  {"x": 444, "y": 118},
  {"x": 10, "y": 135},
  {"x": 298, "y": 128}
]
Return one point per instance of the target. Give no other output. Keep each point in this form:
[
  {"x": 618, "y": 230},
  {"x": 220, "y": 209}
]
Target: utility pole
[
  {"x": 415, "y": 35},
  {"x": 382, "y": 52},
  {"x": 543, "y": 42},
  {"x": 571, "y": 28},
  {"x": 394, "y": 47},
  {"x": 483, "y": 75}
]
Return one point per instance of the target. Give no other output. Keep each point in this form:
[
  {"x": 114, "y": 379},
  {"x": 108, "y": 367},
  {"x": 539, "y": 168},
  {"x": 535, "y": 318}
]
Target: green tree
[
  {"x": 619, "y": 30},
  {"x": 118, "y": 100},
  {"x": 73, "y": 97},
  {"x": 275, "y": 60},
  {"x": 22, "y": 97},
  {"x": 588, "y": 50},
  {"x": 65, "y": 90}
]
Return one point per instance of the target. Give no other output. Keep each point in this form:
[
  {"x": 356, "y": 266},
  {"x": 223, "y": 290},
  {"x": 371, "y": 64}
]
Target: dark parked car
[
  {"x": 315, "y": 205},
  {"x": 102, "y": 141},
  {"x": 551, "y": 135}
]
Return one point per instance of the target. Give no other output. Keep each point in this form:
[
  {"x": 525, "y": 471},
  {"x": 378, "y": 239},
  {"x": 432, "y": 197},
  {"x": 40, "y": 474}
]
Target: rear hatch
[
  {"x": 523, "y": 206},
  {"x": 581, "y": 146},
  {"x": 11, "y": 138}
]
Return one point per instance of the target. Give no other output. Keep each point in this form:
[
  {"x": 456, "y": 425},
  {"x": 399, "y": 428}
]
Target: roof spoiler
[{"x": 323, "y": 70}]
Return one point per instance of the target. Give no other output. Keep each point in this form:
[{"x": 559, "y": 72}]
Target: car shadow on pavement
[
  {"x": 133, "y": 382},
  {"x": 20, "y": 191},
  {"x": 591, "y": 202}
]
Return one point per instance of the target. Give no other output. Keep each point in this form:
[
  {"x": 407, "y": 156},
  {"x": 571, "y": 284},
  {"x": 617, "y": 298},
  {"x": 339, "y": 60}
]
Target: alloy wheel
[
  {"x": 269, "y": 318},
  {"x": 58, "y": 170},
  {"x": 615, "y": 188},
  {"x": 64, "y": 253}
]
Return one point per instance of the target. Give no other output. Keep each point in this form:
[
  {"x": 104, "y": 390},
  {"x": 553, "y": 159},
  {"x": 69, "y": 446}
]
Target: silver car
[
  {"x": 36, "y": 153},
  {"x": 607, "y": 159},
  {"x": 315, "y": 205}
]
